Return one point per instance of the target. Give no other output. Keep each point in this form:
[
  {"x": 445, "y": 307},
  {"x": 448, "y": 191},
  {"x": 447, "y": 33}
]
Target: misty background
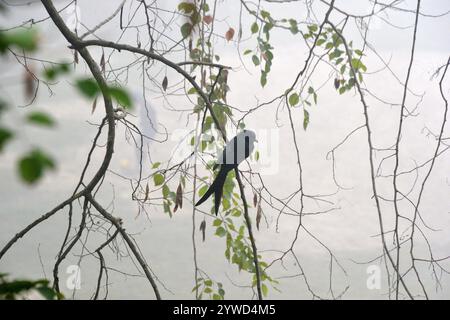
[{"x": 350, "y": 231}]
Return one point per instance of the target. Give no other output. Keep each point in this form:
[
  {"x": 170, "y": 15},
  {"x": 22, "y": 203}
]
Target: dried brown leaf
[
  {"x": 203, "y": 229},
  {"x": 165, "y": 83},
  {"x": 208, "y": 19},
  {"x": 336, "y": 83},
  {"x": 179, "y": 196},
  {"x": 229, "y": 34},
  {"x": 147, "y": 190},
  {"x": 102, "y": 62},
  {"x": 30, "y": 84},
  {"x": 258, "y": 216}
]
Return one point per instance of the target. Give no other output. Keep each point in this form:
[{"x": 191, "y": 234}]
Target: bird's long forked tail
[{"x": 216, "y": 188}]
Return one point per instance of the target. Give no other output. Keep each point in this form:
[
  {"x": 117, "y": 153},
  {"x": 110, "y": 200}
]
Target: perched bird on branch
[{"x": 236, "y": 151}]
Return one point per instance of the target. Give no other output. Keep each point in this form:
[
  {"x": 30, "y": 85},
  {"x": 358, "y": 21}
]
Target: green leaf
[
  {"x": 293, "y": 26},
  {"x": 121, "y": 96},
  {"x": 15, "y": 287},
  {"x": 338, "y": 61},
  {"x": 158, "y": 179},
  {"x": 265, "y": 14},
  {"x": 264, "y": 290},
  {"x": 351, "y": 83},
  {"x": 357, "y": 64},
  {"x": 263, "y": 79},
  {"x": 56, "y": 70},
  {"x": 216, "y": 297},
  {"x": 202, "y": 190},
  {"x": 156, "y": 165},
  {"x": 208, "y": 283},
  {"x": 47, "y": 293},
  {"x": 196, "y": 287},
  {"x": 32, "y": 166},
  {"x": 186, "y": 29},
  {"x": 207, "y": 290},
  {"x": 294, "y": 99},
  {"x": 40, "y": 118},
  {"x": 363, "y": 66},
  {"x": 247, "y": 52},
  {"x": 187, "y": 7},
  {"x": 88, "y": 87},
  {"x": 320, "y": 42},
  {"x": 166, "y": 206},
  {"x": 254, "y": 28},
  {"x": 217, "y": 222},
  {"x": 165, "y": 191},
  {"x": 5, "y": 135},
  {"x": 196, "y": 18},
  {"x": 221, "y": 232},
  {"x": 305, "y": 119},
  {"x": 312, "y": 28},
  {"x": 267, "y": 27},
  {"x": 25, "y": 39},
  {"x": 335, "y": 54},
  {"x": 255, "y": 60}
]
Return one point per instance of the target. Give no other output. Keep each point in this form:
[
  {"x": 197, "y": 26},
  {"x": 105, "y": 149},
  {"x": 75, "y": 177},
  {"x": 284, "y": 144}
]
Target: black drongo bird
[{"x": 236, "y": 151}]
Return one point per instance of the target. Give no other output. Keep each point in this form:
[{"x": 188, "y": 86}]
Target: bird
[{"x": 236, "y": 150}]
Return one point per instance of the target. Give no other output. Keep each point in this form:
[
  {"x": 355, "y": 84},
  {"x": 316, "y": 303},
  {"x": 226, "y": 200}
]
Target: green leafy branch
[{"x": 17, "y": 289}]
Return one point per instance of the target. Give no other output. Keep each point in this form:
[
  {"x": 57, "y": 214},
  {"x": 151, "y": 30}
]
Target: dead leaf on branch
[
  {"x": 178, "y": 198},
  {"x": 30, "y": 84},
  {"x": 229, "y": 34},
  {"x": 147, "y": 190},
  {"x": 258, "y": 216},
  {"x": 203, "y": 229},
  {"x": 165, "y": 83},
  {"x": 336, "y": 83},
  {"x": 102, "y": 63},
  {"x": 208, "y": 19}
]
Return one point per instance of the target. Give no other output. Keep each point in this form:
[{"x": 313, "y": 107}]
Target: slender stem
[
  {"x": 250, "y": 234},
  {"x": 397, "y": 151},
  {"x": 371, "y": 160},
  {"x": 128, "y": 240}
]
